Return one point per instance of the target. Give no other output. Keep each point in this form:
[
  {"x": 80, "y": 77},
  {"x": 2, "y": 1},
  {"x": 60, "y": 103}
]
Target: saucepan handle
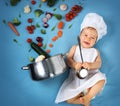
[{"x": 25, "y": 68}]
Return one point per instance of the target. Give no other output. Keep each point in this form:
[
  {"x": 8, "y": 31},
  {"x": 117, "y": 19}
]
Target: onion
[{"x": 63, "y": 7}]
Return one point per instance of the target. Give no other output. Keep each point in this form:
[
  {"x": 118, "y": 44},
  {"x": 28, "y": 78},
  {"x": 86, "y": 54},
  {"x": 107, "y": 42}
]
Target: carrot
[
  {"x": 48, "y": 51},
  {"x": 13, "y": 28},
  {"x": 60, "y": 33},
  {"x": 60, "y": 25},
  {"x": 54, "y": 38},
  {"x": 50, "y": 45}
]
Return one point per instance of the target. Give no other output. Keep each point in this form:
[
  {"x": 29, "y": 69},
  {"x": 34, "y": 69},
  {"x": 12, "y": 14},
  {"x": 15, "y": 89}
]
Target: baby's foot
[{"x": 85, "y": 100}]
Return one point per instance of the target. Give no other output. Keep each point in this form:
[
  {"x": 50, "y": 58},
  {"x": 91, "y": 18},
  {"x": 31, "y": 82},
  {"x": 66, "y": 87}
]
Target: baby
[{"x": 80, "y": 91}]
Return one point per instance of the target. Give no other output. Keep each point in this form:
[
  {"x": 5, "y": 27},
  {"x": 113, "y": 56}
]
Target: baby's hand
[
  {"x": 86, "y": 65},
  {"x": 78, "y": 66}
]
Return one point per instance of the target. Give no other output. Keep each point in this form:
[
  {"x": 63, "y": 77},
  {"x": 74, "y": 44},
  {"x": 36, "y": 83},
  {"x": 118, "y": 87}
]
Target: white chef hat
[{"x": 96, "y": 21}]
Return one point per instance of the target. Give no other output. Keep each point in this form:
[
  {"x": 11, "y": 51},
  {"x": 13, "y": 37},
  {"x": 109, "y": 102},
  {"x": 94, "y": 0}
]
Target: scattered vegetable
[
  {"x": 39, "y": 50},
  {"x": 60, "y": 25},
  {"x": 50, "y": 45},
  {"x": 4, "y": 21},
  {"x": 51, "y": 3},
  {"x": 73, "y": 13},
  {"x": 13, "y": 28},
  {"x": 29, "y": 40},
  {"x": 49, "y": 15},
  {"x": 19, "y": 15},
  {"x": 30, "y": 20},
  {"x": 60, "y": 33},
  {"x": 37, "y": 25},
  {"x": 31, "y": 59},
  {"x": 40, "y": 58},
  {"x": 30, "y": 29},
  {"x": 54, "y": 38},
  {"x": 29, "y": 50},
  {"x": 40, "y": 44},
  {"x": 40, "y": 5},
  {"x": 15, "y": 40},
  {"x": 48, "y": 51},
  {"x": 38, "y": 12},
  {"x": 33, "y": 2},
  {"x": 54, "y": 9},
  {"x": 43, "y": 31},
  {"x": 70, "y": 26},
  {"x": 27, "y": 9},
  {"x": 58, "y": 16},
  {"x": 63, "y": 7},
  {"x": 45, "y": 20},
  {"x": 14, "y": 2},
  {"x": 53, "y": 28},
  {"x": 39, "y": 39},
  {"x": 44, "y": 46},
  {"x": 16, "y": 21},
  {"x": 45, "y": 25},
  {"x": 43, "y": 0}
]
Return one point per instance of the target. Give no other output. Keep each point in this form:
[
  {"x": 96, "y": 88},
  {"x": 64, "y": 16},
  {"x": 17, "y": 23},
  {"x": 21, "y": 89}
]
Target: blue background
[{"x": 16, "y": 86}]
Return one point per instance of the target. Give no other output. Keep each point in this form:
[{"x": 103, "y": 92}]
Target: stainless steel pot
[{"x": 47, "y": 68}]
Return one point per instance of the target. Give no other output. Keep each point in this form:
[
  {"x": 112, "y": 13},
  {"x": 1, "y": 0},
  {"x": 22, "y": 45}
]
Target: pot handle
[{"x": 25, "y": 68}]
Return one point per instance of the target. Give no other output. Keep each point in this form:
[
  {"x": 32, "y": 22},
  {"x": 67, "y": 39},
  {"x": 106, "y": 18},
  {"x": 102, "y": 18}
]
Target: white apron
[{"x": 73, "y": 86}]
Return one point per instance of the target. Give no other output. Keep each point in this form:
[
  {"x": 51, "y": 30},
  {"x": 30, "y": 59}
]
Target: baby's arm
[
  {"x": 70, "y": 61},
  {"x": 93, "y": 65}
]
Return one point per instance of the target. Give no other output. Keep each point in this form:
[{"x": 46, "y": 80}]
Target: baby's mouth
[{"x": 87, "y": 43}]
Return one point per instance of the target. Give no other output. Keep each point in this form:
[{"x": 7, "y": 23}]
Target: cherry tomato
[
  {"x": 33, "y": 2},
  {"x": 32, "y": 27},
  {"x": 40, "y": 44},
  {"x": 30, "y": 20},
  {"x": 29, "y": 40}
]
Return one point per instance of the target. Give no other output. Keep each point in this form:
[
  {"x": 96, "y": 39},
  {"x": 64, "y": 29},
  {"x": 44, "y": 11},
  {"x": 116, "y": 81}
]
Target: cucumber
[{"x": 39, "y": 50}]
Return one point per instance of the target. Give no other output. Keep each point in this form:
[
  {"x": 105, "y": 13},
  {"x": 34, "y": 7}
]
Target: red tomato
[
  {"x": 40, "y": 44},
  {"x": 29, "y": 40},
  {"x": 30, "y": 20},
  {"x": 33, "y": 2}
]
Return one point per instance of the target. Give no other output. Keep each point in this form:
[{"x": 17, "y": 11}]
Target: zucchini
[
  {"x": 51, "y": 3},
  {"x": 39, "y": 50}
]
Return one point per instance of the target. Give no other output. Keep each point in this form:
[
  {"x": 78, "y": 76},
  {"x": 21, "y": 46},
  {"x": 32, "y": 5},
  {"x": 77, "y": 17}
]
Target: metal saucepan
[{"x": 47, "y": 68}]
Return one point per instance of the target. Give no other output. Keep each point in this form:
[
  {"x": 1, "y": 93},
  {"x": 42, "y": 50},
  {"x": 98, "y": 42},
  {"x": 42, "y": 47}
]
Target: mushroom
[{"x": 63, "y": 7}]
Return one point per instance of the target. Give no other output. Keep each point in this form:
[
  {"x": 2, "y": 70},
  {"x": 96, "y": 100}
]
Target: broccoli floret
[
  {"x": 16, "y": 21},
  {"x": 38, "y": 12},
  {"x": 14, "y": 2}
]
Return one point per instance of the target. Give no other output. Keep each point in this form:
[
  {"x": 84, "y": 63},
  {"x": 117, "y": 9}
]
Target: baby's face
[{"x": 88, "y": 37}]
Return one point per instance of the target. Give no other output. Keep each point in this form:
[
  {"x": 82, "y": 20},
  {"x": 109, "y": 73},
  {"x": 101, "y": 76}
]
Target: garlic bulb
[
  {"x": 63, "y": 7},
  {"x": 27, "y": 9}
]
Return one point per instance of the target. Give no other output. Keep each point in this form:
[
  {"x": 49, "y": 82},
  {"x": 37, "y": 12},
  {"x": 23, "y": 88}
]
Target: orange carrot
[
  {"x": 60, "y": 33},
  {"x": 51, "y": 45},
  {"x": 60, "y": 25},
  {"x": 48, "y": 51},
  {"x": 54, "y": 38},
  {"x": 13, "y": 28}
]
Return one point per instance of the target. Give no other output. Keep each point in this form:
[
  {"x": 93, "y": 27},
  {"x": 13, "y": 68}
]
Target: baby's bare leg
[
  {"x": 75, "y": 100},
  {"x": 94, "y": 90}
]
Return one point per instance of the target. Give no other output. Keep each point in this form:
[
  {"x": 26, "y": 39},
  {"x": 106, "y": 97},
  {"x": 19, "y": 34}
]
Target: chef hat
[{"x": 96, "y": 21}]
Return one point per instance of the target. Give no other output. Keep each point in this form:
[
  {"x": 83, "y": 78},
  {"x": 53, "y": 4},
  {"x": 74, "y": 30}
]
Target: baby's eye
[
  {"x": 92, "y": 38},
  {"x": 85, "y": 35}
]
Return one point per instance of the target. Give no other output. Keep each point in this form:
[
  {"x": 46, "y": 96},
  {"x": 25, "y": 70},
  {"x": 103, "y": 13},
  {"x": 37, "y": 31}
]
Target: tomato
[
  {"x": 29, "y": 40},
  {"x": 40, "y": 44},
  {"x": 30, "y": 20},
  {"x": 32, "y": 27},
  {"x": 28, "y": 28},
  {"x": 33, "y": 2}
]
